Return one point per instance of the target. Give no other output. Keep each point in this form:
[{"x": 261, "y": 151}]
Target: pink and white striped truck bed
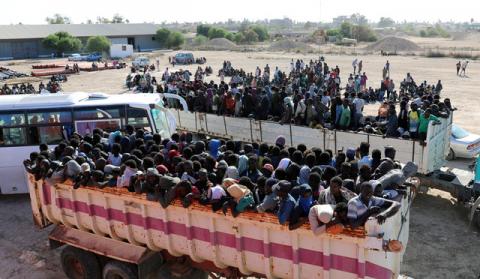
[{"x": 253, "y": 243}]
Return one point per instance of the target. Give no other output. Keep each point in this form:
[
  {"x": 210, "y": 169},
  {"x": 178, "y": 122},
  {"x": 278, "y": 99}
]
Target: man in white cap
[{"x": 322, "y": 214}]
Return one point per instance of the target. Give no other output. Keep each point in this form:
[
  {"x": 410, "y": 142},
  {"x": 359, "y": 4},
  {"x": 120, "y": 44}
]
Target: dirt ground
[{"x": 441, "y": 245}]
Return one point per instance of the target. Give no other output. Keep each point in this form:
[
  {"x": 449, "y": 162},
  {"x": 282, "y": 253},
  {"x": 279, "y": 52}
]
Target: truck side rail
[
  {"x": 252, "y": 242},
  {"x": 429, "y": 158}
]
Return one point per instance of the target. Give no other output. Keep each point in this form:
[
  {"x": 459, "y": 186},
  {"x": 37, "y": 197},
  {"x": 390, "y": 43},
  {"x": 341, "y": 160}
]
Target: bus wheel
[
  {"x": 119, "y": 270},
  {"x": 80, "y": 264}
]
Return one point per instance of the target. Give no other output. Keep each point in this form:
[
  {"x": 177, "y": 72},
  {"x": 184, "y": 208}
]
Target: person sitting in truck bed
[
  {"x": 322, "y": 215},
  {"x": 335, "y": 193},
  {"x": 287, "y": 202},
  {"x": 164, "y": 161},
  {"x": 365, "y": 205}
]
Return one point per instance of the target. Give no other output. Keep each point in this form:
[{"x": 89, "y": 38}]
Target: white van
[{"x": 141, "y": 62}]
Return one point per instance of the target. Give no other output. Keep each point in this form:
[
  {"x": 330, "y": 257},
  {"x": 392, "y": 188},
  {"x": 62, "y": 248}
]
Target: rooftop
[{"x": 21, "y": 31}]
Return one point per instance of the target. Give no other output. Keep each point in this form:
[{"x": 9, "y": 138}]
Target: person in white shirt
[
  {"x": 354, "y": 65},
  {"x": 115, "y": 158},
  {"x": 322, "y": 215},
  {"x": 359, "y": 104}
]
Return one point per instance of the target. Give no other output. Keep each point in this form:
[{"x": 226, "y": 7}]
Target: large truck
[{"x": 112, "y": 233}]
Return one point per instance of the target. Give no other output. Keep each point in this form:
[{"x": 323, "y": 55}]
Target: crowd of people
[
  {"x": 312, "y": 94},
  {"x": 52, "y": 86},
  {"x": 298, "y": 184}
]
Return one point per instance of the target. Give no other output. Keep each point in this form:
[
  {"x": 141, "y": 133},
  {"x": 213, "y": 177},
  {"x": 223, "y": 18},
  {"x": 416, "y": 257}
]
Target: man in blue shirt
[
  {"x": 287, "y": 202},
  {"x": 365, "y": 205}
]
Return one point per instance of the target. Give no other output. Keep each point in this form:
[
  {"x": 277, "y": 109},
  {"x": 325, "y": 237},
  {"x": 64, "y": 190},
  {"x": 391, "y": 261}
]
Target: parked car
[
  {"x": 184, "y": 58},
  {"x": 463, "y": 144},
  {"x": 92, "y": 57},
  {"x": 141, "y": 62},
  {"x": 76, "y": 57}
]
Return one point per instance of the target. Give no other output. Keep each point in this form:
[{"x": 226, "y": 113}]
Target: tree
[
  {"x": 358, "y": 19},
  {"x": 363, "y": 33},
  {"x": 115, "y": 19},
  {"x": 175, "y": 40},
  {"x": 230, "y": 36},
  {"x": 261, "y": 32},
  {"x": 200, "y": 40},
  {"x": 386, "y": 22},
  {"x": 102, "y": 20},
  {"x": 333, "y": 32},
  {"x": 250, "y": 36},
  {"x": 98, "y": 44},
  {"x": 162, "y": 36},
  {"x": 203, "y": 29},
  {"x": 346, "y": 29},
  {"x": 119, "y": 19},
  {"x": 216, "y": 33},
  {"x": 239, "y": 37},
  {"x": 58, "y": 19},
  {"x": 61, "y": 42}
]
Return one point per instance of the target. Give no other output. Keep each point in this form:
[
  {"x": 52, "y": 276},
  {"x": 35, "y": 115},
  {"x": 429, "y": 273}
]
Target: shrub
[
  {"x": 200, "y": 40},
  {"x": 61, "y": 42},
  {"x": 175, "y": 40},
  {"x": 98, "y": 44},
  {"x": 162, "y": 36}
]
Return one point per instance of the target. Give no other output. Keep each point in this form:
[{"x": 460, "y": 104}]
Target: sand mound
[
  {"x": 289, "y": 45},
  {"x": 220, "y": 44},
  {"x": 393, "y": 44}
]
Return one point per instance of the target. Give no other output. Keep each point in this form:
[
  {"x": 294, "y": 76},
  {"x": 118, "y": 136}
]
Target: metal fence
[{"x": 428, "y": 158}]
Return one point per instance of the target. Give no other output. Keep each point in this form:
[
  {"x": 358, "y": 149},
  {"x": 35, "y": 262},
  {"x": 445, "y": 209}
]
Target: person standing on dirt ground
[
  {"x": 387, "y": 68},
  {"x": 360, "y": 66},
  {"x": 464, "y": 67},
  {"x": 459, "y": 64},
  {"x": 354, "y": 65},
  {"x": 158, "y": 64}
]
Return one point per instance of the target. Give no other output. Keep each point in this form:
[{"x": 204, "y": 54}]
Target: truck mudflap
[{"x": 252, "y": 243}]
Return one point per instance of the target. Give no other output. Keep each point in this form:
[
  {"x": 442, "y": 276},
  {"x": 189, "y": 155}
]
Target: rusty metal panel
[{"x": 98, "y": 244}]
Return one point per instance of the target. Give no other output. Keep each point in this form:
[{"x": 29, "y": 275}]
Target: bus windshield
[{"x": 161, "y": 121}]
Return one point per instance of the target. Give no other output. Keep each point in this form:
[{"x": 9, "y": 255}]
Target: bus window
[
  {"x": 138, "y": 118},
  {"x": 46, "y": 134},
  {"x": 12, "y": 136},
  {"x": 12, "y": 119},
  {"x": 97, "y": 113},
  {"x": 84, "y": 127},
  {"x": 49, "y": 117}
]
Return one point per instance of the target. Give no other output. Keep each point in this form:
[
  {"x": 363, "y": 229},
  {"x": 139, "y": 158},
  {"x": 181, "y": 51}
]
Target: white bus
[{"x": 28, "y": 120}]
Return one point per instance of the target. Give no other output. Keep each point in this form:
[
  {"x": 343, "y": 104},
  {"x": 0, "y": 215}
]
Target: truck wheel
[
  {"x": 80, "y": 264},
  {"x": 164, "y": 273},
  {"x": 119, "y": 270},
  {"x": 451, "y": 155}
]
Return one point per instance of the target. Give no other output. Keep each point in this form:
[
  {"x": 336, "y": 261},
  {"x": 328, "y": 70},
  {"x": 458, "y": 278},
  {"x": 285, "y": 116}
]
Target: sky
[{"x": 221, "y": 10}]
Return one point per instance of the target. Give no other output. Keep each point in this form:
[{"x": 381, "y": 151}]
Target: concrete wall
[
  {"x": 33, "y": 48},
  {"x": 119, "y": 41},
  {"x": 145, "y": 42}
]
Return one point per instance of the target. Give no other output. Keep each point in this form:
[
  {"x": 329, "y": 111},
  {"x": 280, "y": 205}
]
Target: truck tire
[
  {"x": 451, "y": 155},
  {"x": 164, "y": 273},
  {"x": 119, "y": 270},
  {"x": 80, "y": 264}
]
